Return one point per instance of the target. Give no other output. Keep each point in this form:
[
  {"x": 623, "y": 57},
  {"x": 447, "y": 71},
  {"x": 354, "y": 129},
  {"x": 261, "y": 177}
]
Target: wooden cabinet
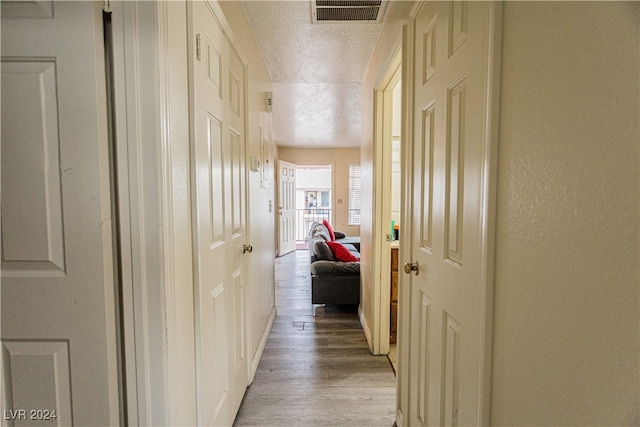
[{"x": 394, "y": 296}]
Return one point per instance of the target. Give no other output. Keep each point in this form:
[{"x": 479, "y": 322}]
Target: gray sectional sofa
[{"x": 332, "y": 281}]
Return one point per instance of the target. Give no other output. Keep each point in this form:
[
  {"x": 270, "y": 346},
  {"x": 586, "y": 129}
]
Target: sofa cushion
[
  {"x": 341, "y": 253},
  {"x": 349, "y": 247},
  {"x": 319, "y": 230},
  {"x": 355, "y": 241},
  {"x": 333, "y": 268},
  {"x": 321, "y": 250}
]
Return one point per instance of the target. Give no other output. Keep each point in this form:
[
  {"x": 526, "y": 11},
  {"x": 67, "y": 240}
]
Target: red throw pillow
[
  {"x": 332, "y": 236},
  {"x": 340, "y": 253}
]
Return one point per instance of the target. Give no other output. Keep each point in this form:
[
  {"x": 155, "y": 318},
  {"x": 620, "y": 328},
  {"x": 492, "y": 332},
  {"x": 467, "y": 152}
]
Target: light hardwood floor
[{"x": 316, "y": 371}]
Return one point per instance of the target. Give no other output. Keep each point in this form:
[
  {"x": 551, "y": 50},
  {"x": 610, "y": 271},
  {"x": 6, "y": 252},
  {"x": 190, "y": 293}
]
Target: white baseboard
[
  {"x": 263, "y": 342},
  {"x": 365, "y": 328}
]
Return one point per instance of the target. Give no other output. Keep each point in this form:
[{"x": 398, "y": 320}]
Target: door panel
[
  {"x": 58, "y": 309},
  {"x": 220, "y": 218},
  {"x": 287, "y": 210},
  {"x": 446, "y": 341}
]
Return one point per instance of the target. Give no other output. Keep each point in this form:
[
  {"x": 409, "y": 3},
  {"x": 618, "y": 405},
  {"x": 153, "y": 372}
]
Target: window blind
[{"x": 354, "y": 194}]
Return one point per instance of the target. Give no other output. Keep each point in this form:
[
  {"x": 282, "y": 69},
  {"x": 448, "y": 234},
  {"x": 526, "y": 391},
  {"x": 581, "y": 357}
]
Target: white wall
[{"x": 566, "y": 339}]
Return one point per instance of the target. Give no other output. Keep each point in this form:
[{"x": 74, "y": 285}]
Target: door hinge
[{"x": 198, "y": 47}]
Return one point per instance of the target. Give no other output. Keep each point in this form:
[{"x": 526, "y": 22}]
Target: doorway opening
[
  {"x": 388, "y": 202},
  {"x": 305, "y": 194},
  {"x": 313, "y": 199},
  {"x": 393, "y": 205}
]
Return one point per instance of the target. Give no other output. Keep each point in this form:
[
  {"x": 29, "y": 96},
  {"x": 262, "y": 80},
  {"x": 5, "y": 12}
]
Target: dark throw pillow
[{"x": 322, "y": 251}]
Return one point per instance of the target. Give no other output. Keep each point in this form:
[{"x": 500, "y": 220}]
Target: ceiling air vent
[{"x": 328, "y": 11}]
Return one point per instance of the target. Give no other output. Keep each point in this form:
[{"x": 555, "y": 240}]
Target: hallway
[{"x": 316, "y": 371}]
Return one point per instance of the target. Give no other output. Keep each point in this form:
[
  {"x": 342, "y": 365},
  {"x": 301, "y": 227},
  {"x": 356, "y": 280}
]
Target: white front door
[
  {"x": 220, "y": 217},
  {"x": 286, "y": 207},
  {"x": 450, "y": 215},
  {"x": 59, "y": 356}
]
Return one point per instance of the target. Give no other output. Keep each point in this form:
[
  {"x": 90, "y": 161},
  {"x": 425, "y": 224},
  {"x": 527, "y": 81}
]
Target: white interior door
[
  {"x": 449, "y": 214},
  {"x": 220, "y": 213},
  {"x": 286, "y": 207},
  {"x": 59, "y": 356}
]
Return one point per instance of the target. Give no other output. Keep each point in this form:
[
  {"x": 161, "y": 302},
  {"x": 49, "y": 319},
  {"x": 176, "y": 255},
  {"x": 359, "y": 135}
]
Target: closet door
[
  {"x": 220, "y": 218},
  {"x": 58, "y": 317}
]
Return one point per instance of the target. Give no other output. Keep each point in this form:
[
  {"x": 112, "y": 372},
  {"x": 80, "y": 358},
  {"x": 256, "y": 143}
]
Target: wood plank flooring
[{"x": 316, "y": 371}]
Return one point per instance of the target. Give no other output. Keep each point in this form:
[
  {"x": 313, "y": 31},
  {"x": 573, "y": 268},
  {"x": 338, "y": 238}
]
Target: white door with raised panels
[
  {"x": 58, "y": 328},
  {"x": 219, "y": 204},
  {"x": 449, "y": 232},
  {"x": 286, "y": 207}
]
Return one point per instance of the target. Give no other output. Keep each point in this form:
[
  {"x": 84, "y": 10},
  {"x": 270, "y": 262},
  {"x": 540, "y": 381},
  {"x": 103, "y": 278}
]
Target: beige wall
[
  {"x": 566, "y": 333},
  {"x": 261, "y": 217},
  {"x": 389, "y": 42},
  {"x": 339, "y": 159}
]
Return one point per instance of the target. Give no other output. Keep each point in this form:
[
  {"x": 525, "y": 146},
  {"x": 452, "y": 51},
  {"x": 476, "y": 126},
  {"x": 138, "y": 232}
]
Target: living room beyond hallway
[{"x": 316, "y": 371}]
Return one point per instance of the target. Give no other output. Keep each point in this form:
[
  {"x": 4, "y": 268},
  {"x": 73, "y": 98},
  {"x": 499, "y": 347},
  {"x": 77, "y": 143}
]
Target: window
[
  {"x": 324, "y": 199},
  {"x": 311, "y": 200},
  {"x": 354, "y": 194}
]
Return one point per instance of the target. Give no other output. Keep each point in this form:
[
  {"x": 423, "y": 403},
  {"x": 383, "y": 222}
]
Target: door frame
[
  {"x": 383, "y": 109},
  {"x": 136, "y": 150},
  {"x": 177, "y": 401},
  {"x": 488, "y": 202}
]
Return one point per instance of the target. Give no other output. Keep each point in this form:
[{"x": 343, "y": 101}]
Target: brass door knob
[
  {"x": 247, "y": 248},
  {"x": 411, "y": 266}
]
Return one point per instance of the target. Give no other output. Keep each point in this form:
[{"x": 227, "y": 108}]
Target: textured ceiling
[{"x": 316, "y": 70}]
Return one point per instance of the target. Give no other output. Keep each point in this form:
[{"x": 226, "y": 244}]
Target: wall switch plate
[{"x": 255, "y": 164}]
